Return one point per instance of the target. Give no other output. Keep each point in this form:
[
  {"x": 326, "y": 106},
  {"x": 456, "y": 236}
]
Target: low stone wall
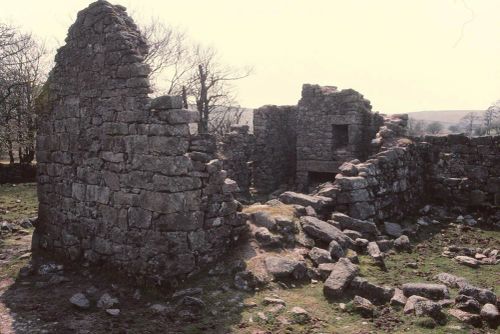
[
  {"x": 236, "y": 151},
  {"x": 384, "y": 187},
  {"x": 122, "y": 182},
  {"x": 452, "y": 170},
  {"x": 464, "y": 171},
  {"x": 17, "y": 173},
  {"x": 275, "y": 130}
]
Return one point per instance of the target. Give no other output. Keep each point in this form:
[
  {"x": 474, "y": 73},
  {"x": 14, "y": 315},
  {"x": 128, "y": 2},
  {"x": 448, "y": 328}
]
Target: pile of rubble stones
[{"x": 327, "y": 249}]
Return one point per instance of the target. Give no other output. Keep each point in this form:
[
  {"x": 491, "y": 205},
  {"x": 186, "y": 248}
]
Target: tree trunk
[
  {"x": 11, "y": 153},
  {"x": 202, "y": 103},
  {"x": 184, "y": 97}
]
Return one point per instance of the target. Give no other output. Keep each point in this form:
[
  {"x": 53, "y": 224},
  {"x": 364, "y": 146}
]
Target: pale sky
[{"x": 403, "y": 55}]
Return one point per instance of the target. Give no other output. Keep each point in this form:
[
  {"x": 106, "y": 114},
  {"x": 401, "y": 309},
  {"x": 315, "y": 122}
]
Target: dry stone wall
[
  {"x": 275, "y": 130},
  {"x": 236, "y": 151},
  {"x": 122, "y": 181},
  {"x": 464, "y": 171},
  {"x": 451, "y": 170},
  {"x": 386, "y": 186}
]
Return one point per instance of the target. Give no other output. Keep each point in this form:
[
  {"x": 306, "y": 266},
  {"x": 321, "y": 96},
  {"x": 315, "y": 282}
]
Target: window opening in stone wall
[{"x": 340, "y": 136}]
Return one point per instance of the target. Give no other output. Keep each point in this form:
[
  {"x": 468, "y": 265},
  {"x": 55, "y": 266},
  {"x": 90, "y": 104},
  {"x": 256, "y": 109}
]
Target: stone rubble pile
[{"x": 332, "y": 258}]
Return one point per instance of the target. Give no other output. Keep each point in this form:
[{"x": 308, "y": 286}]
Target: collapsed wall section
[
  {"x": 275, "y": 130},
  {"x": 121, "y": 180}
]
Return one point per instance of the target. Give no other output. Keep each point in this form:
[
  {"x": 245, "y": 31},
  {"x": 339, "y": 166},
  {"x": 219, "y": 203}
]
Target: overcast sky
[{"x": 403, "y": 55}]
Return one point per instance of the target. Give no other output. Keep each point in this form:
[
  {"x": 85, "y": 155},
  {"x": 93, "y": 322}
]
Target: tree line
[
  {"x": 472, "y": 124},
  {"x": 179, "y": 66}
]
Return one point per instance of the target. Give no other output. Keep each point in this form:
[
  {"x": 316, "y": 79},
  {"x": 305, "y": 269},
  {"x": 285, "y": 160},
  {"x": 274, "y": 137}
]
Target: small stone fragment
[
  {"x": 363, "y": 306},
  {"x": 80, "y": 301},
  {"x": 467, "y": 261},
  {"x": 299, "y": 315}
]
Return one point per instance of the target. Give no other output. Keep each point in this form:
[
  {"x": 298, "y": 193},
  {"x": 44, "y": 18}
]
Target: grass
[
  {"x": 427, "y": 255},
  {"x": 18, "y": 201},
  {"x": 224, "y": 313}
]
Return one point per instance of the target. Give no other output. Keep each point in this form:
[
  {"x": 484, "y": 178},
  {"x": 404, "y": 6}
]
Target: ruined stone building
[
  {"x": 303, "y": 145},
  {"x": 121, "y": 181}
]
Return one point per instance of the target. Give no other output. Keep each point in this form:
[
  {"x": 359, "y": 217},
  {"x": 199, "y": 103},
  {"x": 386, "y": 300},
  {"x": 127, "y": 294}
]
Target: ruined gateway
[{"x": 123, "y": 183}]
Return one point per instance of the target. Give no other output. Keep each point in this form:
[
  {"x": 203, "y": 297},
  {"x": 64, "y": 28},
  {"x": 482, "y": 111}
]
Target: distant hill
[{"x": 447, "y": 117}]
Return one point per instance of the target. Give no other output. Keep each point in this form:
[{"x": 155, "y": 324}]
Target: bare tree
[
  {"x": 467, "y": 123},
  {"x": 210, "y": 88},
  {"x": 454, "y": 128},
  {"x": 434, "y": 127},
  {"x": 169, "y": 58},
  {"x": 21, "y": 76},
  {"x": 490, "y": 116},
  {"x": 415, "y": 127}
]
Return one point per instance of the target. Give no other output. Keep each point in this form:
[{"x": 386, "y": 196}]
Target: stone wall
[
  {"x": 450, "y": 170},
  {"x": 17, "y": 173},
  {"x": 335, "y": 127},
  {"x": 464, "y": 171},
  {"x": 385, "y": 187},
  {"x": 122, "y": 182},
  {"x": 275, "y": 130},
  {"x": 236, "y": 151}
]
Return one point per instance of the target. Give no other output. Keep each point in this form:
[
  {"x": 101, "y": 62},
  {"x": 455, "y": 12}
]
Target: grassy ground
[
  {"x": 24, "y": 303},
  {"x": 18, "y": 201}
]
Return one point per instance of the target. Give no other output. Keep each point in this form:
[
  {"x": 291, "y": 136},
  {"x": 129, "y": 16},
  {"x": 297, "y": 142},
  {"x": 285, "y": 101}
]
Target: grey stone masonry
[
  {"x": 333, "y": 127},
  {"x": 236, "y": 152},
  {"x": 122, "y": 182},
  {"x": 462, "y": 170},
  {"x": 451, "y": 170},
  {"x": 275, "y": 130}
]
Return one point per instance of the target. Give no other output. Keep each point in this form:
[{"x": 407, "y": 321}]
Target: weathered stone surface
[
  {"x": 282, "y": 267},
  {"x": 366, "y": 228},
  {"x": 275, "y": 131},
  {"x": 325, "y": 269},
  {"x": 166, "y": 102},
  {"x": 122, "y": 181},
  {"x": 107, "y": 301},
  {"x": 374, "y": 293},
  {"x": 467, "y": 261},
  {"x": 469, "y": 318},
  {"x": 318, "y": 203},
  {"x": 451, "y": 280},
  {"x": 402, "y": 243},
  {"x": 266, "y": 238},
  {"x": 264, "y": 219},
  {"x": 428, "y": 290},
  {"x": 336, "y": 251},
  {"x": 467, "y": 303},
  {"x": 393, "y": 229},
  {"x": 374, "y": 251},
  {"x": 428, "y": 308},
  {"x": 340, "y": 277},
  {"x": 399, "y": 298},
  {"x": 481, "y": 295},
  {"x": 410, "y": 304},
  {"x": 80, "y": 301},
  {"x": 299, "y": 315},
  {"x": 363, "y": 306},
  {"x": 490, "y": 314},
  {"x": 323, "y": 231},
  {"x": 318, "y": 255}
]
